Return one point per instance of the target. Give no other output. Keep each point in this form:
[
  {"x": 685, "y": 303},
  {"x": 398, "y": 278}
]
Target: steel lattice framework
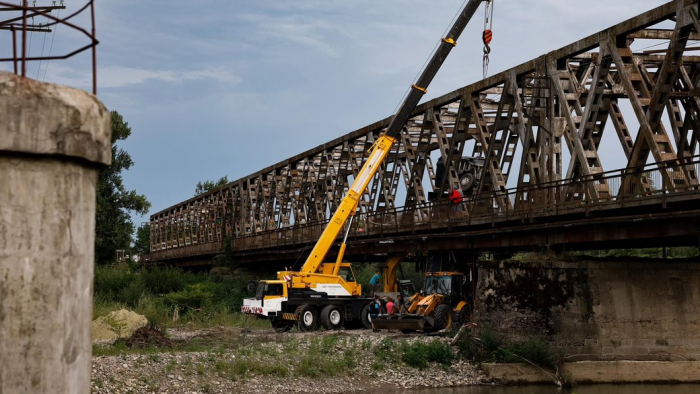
[{"x": 517, "y": 121}]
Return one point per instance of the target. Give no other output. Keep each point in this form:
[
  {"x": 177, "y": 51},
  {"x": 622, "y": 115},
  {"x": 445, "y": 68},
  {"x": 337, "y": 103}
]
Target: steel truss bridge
[{"x": 538, "y": 127}]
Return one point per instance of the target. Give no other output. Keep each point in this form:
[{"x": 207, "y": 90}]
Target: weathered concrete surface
[
  {"x": 52, "y": 142},
  {"x": 41, "y": 118},
  {"x": 586, "y": 372},
  {"x": 596, "y": 310}
]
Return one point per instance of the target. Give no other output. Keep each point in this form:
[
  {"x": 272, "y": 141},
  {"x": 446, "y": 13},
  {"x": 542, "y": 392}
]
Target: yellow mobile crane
[{"x": 326, "y": 292}]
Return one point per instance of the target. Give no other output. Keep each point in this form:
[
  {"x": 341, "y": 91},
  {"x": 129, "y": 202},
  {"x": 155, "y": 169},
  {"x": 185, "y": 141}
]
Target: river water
[{"x": 592, "y": 389}]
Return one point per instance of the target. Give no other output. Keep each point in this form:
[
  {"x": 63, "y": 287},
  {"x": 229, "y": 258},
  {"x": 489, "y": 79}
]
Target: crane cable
[
  {"x": 488, "y": 34},
  {"x": 43, "y": 45},
  {"x": 53, "y": 37}
]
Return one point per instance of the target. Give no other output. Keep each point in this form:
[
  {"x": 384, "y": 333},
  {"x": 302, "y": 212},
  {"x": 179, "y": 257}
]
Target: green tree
[
  {"x": 142, "y": 244},
  {"x": 203, "y": 187},
  {"x": 113, "y": 227}
]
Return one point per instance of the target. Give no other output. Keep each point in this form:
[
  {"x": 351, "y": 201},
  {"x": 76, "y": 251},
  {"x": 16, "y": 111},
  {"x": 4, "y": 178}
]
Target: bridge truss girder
[{"x": 515, "y": 120}]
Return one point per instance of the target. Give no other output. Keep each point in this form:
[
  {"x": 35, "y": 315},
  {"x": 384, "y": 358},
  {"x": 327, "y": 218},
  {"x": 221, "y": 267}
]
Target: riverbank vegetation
[{"x": 168, "y": 296}]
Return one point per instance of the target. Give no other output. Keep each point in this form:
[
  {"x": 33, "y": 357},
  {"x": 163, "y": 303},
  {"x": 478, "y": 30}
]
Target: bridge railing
[{"x": 627, "y": 188}]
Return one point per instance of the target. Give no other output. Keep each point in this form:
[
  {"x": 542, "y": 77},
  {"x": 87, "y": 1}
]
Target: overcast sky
[{"x": 214, "y": 88}]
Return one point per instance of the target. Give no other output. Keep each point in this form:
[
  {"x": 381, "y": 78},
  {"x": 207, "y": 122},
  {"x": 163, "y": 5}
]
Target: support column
[{"x": 53, "y": 141}]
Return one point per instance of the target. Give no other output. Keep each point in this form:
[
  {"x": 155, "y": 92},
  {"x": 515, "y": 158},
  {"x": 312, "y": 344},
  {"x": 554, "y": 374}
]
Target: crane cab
[
  {"x": 326, "y": 280},
  {"x": 345, "y": 271},
  {"x": 268, "y": 300}
]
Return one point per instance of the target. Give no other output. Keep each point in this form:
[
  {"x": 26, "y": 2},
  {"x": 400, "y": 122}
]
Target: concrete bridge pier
[{"x": 53, "y": 140}]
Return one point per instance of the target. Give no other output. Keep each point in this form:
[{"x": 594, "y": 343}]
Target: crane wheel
[
  {"x": 443, "y": 317},
  {"x": 308, "y": 318},
  {"x": 364, "y": 317},
  {"x": 332, "y": 317}
]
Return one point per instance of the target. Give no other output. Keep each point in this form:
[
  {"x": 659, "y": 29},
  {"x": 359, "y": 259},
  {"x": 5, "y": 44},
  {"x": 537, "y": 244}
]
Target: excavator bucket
[{"x": 402, "y": 322}]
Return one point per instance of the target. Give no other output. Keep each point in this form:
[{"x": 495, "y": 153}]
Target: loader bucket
[{"x": 404, "y": 322}]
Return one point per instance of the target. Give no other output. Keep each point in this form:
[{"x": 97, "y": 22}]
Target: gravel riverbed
[{"x": 226, "y": 360}]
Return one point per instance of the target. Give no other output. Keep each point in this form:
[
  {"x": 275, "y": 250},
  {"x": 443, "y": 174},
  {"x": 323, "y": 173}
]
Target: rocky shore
[{"x": 241, "y": 361}]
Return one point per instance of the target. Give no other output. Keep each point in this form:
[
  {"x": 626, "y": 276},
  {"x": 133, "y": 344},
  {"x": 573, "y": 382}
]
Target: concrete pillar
[{"x": 53, "y": 140}]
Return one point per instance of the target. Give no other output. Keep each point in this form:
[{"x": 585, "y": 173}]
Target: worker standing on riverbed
[{"x": 374, "y": 283}]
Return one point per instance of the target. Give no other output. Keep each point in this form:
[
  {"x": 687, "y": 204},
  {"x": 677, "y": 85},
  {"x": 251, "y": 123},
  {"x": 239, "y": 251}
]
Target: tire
[
  {"x": 308, "y": 318},
  {"x": 364, "y": 319},
  {"x": 462, "y": 316},
  {"x": 280, "y": 325},
  {"x": 443, "y": 317},
  {"x": 467, "y": 181},
  {"x": 332, "y": 317}
]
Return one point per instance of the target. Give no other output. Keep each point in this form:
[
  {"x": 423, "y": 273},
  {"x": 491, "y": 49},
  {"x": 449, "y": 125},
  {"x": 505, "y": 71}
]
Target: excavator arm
[{"x": 348, "y": 205}]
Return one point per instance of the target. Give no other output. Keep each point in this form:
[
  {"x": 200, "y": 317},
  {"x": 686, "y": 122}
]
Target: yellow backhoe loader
[{"x": 441, "y": 303}]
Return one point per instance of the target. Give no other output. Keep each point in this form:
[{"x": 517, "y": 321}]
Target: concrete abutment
[{"x": 53, "y": 140}]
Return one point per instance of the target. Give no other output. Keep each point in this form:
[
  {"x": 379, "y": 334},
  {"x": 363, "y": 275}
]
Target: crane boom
[{"x": 383, "y": 145}]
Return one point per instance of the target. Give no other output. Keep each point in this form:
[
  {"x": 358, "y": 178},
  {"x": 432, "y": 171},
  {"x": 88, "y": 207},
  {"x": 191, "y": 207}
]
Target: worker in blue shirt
[{"x": 374, "y": 283}]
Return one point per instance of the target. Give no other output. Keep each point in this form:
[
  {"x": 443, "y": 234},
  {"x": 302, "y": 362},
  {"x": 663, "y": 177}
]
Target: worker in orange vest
[{"x": 456, "y": 198}]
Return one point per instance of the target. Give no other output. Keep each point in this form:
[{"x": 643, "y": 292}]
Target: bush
[
  {"x": 440, "y": 352},
  {"x": 492, "y": 349},
  {"x": 419, "y": 354},
  {"x": 490, "y": 340},
  {"x": 386, "y": 350},
  {"x": 161, "y": 281},
  {"x": 153, "y": 308},
  {"x": 193, "y": 296},
  {"x": 110, "y": 281},
  {"x": 154, "y": 293},
  {"x": 467, "y": 348},
  {"x": 535, "y": 350},
  {"x": 131, "y": 295},
  {"x": 414, "y": 355}
]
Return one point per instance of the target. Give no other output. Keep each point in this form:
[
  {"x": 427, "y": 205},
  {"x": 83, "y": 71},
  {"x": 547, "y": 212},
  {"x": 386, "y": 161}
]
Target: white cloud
[{"x": 114, "y": 77}]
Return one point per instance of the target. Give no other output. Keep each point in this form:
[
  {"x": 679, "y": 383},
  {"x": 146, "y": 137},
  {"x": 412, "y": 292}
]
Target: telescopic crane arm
[{"x": 383, "y": 145}]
